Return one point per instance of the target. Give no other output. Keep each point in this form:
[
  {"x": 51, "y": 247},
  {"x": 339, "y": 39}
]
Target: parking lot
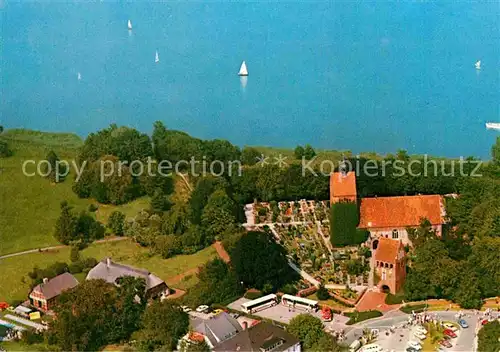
[
  {"x": 399, "y": 338},
  {"x": 284, "y": 314}
]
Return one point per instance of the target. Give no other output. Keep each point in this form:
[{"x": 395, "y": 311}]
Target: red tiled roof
[
  {"x": 387, "y": 250},
  {"x": 343, "y": 185},
  {"x": 400, "y": 211}
]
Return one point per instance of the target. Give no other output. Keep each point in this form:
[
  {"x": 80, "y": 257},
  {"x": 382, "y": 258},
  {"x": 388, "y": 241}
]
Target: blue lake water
[{"x": 371, "y": 76}]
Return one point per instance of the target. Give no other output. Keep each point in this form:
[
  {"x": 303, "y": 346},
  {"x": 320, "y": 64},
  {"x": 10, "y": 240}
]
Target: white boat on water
[
  {"x": 129, "y": 25},
  {"x": 478, "y": 65},
  {"x": 493, "y": 125},
  {"x": 79, "y": 76},
  {"x": 157, "y": 58},
  {"x": 243, "y": 69}
]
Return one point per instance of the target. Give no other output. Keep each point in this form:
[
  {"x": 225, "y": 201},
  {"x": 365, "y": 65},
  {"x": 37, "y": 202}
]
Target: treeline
[
  {"x": 453, "y": 268},
  {"x": 4, "y": 147}
]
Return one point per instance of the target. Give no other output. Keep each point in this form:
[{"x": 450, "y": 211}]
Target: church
[{"x": 387, "y": 220}]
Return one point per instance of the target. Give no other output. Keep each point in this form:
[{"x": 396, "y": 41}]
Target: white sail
[
  {"x": 478, "y": 65},
  {"x": 129, "y": 25},
  {"x": 79, "y": 76},
  {"x": 157, "y": 58},
  {"x": 493, "y": 125},
  {"x": 243, "y": 69}
]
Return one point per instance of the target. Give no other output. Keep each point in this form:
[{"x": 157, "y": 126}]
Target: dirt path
[
  {"x": 177, "y": 278},
  {"x": 47, "y": 249},
  {"x": 221, "y": 251}
]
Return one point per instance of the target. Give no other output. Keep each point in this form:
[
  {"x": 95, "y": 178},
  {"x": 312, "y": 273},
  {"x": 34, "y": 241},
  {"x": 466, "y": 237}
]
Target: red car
[
  {"x": 445, "y": 343},
  {"x": 449, "y": 333},
  {"x": 484, "y": 322}
]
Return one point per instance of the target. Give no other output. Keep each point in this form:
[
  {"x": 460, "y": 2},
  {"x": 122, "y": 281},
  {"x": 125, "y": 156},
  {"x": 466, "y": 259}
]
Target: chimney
[
  {"x": 45, "y": 280},
  {"x": 108, "y": 262},
  {"x": 245, "y": 325}
]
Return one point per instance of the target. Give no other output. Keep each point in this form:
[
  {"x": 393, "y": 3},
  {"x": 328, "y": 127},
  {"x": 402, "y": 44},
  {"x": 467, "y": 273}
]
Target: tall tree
[
  {"x": 66, "y": 225},
  {"x": 218, "y": 215},
  {"x": 163, "y": 324},
  {"x": 307, "y": 328},
  {"x": 250, "y": 156},
  {"x": 115, "y": 222},
  {"x": 299, "y": 152},
  {"x": 258, "y": 260},
  {"x": 309, "y": 152}
]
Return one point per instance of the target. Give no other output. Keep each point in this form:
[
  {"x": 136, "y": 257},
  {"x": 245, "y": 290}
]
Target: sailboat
[
  {"x": 129, "y": 25},
  {"x": 478, "y": 65},
  {"x": 243, "y": 69},
  {"x": 79, "y": 76},
  {"x": 493, "y": 125},
  {"x": 157, "y": 58}
]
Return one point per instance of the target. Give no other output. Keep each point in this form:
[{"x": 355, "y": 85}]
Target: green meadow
[{"x": 16, "y": 283}]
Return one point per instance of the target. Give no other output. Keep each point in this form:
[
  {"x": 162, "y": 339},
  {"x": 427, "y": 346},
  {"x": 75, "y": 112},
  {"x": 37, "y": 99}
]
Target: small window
[{"x": 395, "y": 234}]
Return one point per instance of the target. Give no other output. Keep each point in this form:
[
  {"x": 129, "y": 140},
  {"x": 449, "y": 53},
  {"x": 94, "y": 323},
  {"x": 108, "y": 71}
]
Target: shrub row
[{"x": 356, "y": 317}]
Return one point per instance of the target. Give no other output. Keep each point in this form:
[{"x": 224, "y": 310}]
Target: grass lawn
[
  {"x": 18, "y": 346},
  {"x": 130, "y": 209},
  {"x": 186, "y": 282},
  {"x": 29, "y": 206},
  {"x": 127, "y": 252}
]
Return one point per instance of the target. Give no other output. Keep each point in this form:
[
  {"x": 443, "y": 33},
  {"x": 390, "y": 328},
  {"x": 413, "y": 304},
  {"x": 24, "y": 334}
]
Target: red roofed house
[
  {"x": 389, "y": 217},
  {"x": 44, "y": 295},
  {"x": 387, "y": 220},
  {"x": 343, "y": 187},
  {"x": 390, "y": 264}
]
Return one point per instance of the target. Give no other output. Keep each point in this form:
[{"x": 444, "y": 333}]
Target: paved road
[
  {"x": 464, "y": 342},
  {"x": 45, "y": 249}
]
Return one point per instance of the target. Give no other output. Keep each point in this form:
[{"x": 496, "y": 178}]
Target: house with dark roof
[
  {"x": 263, "y": 337},
  {"x": 111, "y": 272},
  {"x": 390, "y": 265},
  {"x": 43, "y": 296},
  {"x": 216, "y": 329}
]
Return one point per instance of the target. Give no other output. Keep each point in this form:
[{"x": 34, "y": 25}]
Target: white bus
[
  {"x": 260, "y": 303},
  {"x": 299, "y": 302}
]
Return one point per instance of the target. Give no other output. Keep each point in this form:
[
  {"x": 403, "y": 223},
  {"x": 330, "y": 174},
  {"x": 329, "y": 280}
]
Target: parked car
[
  {"x": 235, "y": 315},
  {"x": 445, "y": 343},
  {"x": 217, "y": 311},
  {"x": 463, "y": 324},
  {"x": 202, "y": 309},
  {"x": 419, "y": 335},
  {"x": 484, "y": 322},
  {"x": 421, "y": 330},
  {"x": 450, "y": 326},
  {"x": 185, "y": 309},
  {"x": 449, "y": 333},
  {"x": 411, "y": 349},
  {"x": 414, "y": 344}
]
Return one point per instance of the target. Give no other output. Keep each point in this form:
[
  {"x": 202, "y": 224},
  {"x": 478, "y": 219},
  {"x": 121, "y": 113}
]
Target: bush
[
  {"x": 356, "y": 317},
  {"x": 4, "y": 150},
  {"x": 322, "y": 293},
  {"x": 89, "y": 262},
  {"x": 76, "y": 268},
  {"x": 30, "y": 337},
  {"x": 289, "y": 289},
  {"x": 74, "y": 254},
  {"x": 417, "y": 308},
  {"x": 93, "y": 208},
  {"x": 253, "y": 294},
  {"x": 394, "y": 299}
]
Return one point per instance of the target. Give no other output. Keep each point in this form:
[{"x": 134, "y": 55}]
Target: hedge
[
  {"x": 344, "y": 219},
  {"x": 394, "y": 299},
  {"x": 253, "y": 294},
  {"x": 417, "y": 308},
  {"x": 356, "y": 317}
]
